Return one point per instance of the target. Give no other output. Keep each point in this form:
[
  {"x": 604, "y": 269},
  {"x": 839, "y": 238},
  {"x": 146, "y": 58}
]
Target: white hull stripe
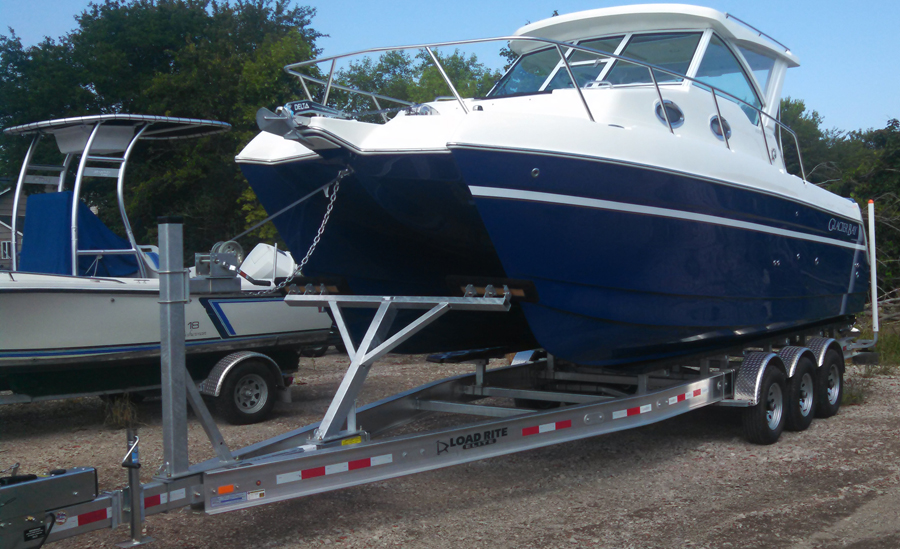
[
  {"x": 646, "y": 408},
  {"x": 334, "y": 469},
  {"x": 688, "y": 395},
  {"x": 551, "y": 198}
]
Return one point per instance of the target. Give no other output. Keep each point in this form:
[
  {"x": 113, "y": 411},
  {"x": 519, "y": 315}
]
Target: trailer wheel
[
  {"x": 830, "y": 385},
  {"x": 248, "y": 394},
  {"x": 801, "y": 396},
  {"x": 764, "y": 422}
]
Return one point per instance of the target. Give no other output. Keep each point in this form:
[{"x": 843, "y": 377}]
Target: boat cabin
[{"x": 686, "y": 70}]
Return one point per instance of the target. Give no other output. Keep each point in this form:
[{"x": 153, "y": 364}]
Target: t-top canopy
[{"x": 117, "y": 130}]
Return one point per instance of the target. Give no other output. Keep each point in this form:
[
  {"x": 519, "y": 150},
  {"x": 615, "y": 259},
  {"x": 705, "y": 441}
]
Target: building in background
[{"x": 6, "y": 207}]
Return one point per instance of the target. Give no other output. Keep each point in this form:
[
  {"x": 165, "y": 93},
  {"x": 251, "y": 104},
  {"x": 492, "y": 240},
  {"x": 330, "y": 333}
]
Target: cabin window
[
  {"x": 672, "y": 52},
  {"x": 529, "y": 73},
  {"x": 720, "y": 68},
  {"x": 761, "y": 65},
  {"x": 5, "y": 248},
  {"x": 585, "y": 66}
]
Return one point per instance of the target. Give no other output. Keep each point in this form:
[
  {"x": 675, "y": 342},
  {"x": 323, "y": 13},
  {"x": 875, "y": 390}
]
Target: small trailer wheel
[
  {"x": 248, "y": 394},
  {"x": 801, "y": 396},
  {"x": 830, "y": 385},
  {"x": 764, "y": 422}
]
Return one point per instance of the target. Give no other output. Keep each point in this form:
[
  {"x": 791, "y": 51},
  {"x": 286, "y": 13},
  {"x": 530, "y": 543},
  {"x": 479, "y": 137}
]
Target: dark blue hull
[
  {"x": 653, "y": 265},
  {"x": 634, "y": 264},
  {"x": 412, "y": 229}
]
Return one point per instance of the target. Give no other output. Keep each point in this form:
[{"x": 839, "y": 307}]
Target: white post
[{"x": 873, "y": 268}]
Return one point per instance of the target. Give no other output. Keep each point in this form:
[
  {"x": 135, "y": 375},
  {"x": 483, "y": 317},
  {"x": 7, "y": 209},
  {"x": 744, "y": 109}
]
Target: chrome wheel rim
[
  {"x": 834, "y": 384},
  {"x": 251, "y": 393},
  {"x": 806, "y": 394},
  {"x": 774, "y": 406}
]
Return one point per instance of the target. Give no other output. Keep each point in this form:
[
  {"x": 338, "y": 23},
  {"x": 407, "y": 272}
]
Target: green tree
[
  {"x": 874, "y": 173},
  {"x": 399, "y": 75},
  {"x": 190, "y": 58},
  {"x": 861, "y": 164}
]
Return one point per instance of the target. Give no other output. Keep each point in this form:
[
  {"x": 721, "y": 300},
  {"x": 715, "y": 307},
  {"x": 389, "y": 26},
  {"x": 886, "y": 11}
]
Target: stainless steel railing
[{"x": 295, "y": 68}]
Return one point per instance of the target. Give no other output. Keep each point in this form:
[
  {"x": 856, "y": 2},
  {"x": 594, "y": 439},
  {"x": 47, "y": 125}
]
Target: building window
[{"x": 5, "y": 248}]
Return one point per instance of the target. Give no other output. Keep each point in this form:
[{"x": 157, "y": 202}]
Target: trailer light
[{"x": 227, "y": 489}]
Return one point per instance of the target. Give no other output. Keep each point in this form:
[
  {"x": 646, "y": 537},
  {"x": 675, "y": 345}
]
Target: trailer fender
[
  {"x": 212, "y": 385},
  {"x": 821, "y": 345},
  {"x": 750, "y": 374},
  {"x": 790, "y": 356}
]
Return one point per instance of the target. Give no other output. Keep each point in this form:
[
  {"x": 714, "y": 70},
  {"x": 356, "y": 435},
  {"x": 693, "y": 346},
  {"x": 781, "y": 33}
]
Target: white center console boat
[{"x": 80, "y": 305}]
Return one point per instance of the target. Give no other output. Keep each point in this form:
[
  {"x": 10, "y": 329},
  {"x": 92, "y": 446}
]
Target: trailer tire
[
  {"x": 801, "y": 396},
  {"x": 248, "y": 394},
  {"x": 830, "y": 384},
  {"x": 764, "y": 422}
]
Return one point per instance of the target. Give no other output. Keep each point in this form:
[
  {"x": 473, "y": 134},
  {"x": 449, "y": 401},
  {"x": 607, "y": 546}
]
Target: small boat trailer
[{"x": 781, "y": 382}]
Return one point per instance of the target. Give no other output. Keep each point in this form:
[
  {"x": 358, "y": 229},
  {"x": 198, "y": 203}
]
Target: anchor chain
[{"x": 298, "y": 271}]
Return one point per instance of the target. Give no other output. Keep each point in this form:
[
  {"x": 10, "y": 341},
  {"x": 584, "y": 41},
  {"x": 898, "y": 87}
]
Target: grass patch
[
  {"x": 888, "y": 348},
  {"x": 121, "y": 412},
  {"x": 856, "y": 390}
]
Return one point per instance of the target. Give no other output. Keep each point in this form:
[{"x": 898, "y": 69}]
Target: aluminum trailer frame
[
  {"x": 302, "y": 462},
  {"x": 351, "y": 446}
]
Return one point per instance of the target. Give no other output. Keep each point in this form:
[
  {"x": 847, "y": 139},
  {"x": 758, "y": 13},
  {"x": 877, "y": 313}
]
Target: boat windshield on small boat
[{"x": 626, "y": 175}]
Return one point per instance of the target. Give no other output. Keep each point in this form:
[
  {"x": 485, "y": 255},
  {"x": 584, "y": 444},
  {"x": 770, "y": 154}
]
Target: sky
[{"x": 848, "y": 51}]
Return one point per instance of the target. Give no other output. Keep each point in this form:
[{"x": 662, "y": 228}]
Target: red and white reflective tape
[
  {"x": 688, "y": 395},
  {"x": 546, "y": 428},
  {"x": 165, "y": 497},
  {"x": 636, "y": 411},
  {"x": 67, "y": 523},
  {"x": 334, "y": 469}
]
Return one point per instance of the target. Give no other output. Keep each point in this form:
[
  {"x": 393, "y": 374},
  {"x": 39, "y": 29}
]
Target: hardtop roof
[{"x": 648, "y": 18}]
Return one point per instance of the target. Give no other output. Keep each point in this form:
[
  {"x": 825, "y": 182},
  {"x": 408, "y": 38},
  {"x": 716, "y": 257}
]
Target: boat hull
[
  {"x": 630, "y": 263},
  {"x": 73, "y": 334},
  {"x": 401, "y": 225}
]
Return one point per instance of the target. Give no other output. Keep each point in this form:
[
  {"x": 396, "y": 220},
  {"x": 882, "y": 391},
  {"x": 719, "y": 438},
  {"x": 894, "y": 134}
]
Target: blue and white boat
[
  {"x": 628, "y": 172},
  {"x": 80, "y": 306}
]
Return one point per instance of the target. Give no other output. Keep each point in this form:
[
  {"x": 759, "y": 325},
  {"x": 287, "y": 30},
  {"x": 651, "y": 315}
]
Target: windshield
[
  {"x": 720, "y": 68},
  {"x": 669, "y": 51},
  {"x": 543, "y": 70},
  {"x": 761, "y": 65}
]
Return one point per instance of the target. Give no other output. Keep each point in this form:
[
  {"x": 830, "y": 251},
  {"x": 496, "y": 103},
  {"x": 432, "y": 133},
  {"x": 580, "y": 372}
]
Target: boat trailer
[{"x": 551, "y": 402}]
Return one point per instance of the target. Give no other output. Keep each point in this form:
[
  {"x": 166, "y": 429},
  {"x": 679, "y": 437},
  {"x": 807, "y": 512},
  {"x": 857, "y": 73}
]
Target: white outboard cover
[{"x": 266, "y": 262}]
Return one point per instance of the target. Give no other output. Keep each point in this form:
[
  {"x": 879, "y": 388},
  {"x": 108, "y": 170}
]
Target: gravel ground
[{"x": 687, "y": 482}]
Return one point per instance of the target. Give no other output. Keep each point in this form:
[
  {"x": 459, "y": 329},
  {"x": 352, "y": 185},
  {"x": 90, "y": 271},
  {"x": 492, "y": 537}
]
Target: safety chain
[{"x": 299, "y": 270}]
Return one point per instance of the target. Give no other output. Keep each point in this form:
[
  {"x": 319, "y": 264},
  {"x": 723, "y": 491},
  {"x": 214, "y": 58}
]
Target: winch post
[{"x": 173, "y": 294}]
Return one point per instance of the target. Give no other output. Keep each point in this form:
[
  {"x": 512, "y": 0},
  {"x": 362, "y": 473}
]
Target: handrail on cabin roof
[{"x": 294, "y": 70}]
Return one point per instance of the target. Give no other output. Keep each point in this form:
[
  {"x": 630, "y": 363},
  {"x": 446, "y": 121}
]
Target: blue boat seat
[{"x": 46, "y": 243}]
